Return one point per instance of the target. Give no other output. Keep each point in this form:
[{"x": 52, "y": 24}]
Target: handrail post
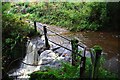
[
  {"x": 98, "y": 51},
  {"x": 46, "y": 39},
  {"x": 74, "y": 44},
  {"x": 82, "y": 64},
  {"x": 35, "y": 27}
]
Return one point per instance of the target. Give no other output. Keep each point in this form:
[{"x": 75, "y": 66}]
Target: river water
[{"x": 109, "y": 41}]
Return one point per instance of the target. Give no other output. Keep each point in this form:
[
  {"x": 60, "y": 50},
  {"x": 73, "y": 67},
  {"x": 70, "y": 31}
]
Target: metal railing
[{"x": 74, "y": 44}]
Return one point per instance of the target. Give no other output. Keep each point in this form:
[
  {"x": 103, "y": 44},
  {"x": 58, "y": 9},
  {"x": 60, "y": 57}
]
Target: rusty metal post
[
  {"x": 82, "y": 65},
  {"x": 98, "y": 51},
  {"x": 35, "y": 27},
  {"x": 46, "y": 39},
  {"x": 74, "y": 44}
]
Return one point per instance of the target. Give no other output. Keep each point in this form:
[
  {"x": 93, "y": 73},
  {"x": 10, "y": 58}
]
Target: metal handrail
[{"x": 59, "y": 35}]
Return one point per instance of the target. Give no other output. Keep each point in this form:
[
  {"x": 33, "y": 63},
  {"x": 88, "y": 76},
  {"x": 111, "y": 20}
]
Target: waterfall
[
  {"x": 51, "y": 58},
  {"x": 32, "y": 58}
]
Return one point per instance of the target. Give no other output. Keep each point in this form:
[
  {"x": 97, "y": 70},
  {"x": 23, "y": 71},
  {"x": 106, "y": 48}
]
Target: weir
[
  {"x": 38, "y": 57},
  {"x": 34, "y": 61}
]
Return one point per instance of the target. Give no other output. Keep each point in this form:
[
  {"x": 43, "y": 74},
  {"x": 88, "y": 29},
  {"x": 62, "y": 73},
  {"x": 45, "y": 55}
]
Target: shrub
[
  {"x": 67, "y": 71},
  {"x": 14, "y": 32},
  {"x": 73, "y": 16},
  {"x": 41, "y": 76}
]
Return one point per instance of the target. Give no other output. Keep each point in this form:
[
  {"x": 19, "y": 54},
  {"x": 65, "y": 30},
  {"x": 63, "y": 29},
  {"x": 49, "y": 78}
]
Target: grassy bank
[{"x": 73, "y": 16}]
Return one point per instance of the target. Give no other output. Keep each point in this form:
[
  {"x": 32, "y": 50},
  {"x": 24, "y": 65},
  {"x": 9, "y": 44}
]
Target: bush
[
  {"x": 5, "y": 6},
  {"x": 73, "y": 16},
  {"x": 67, "y": 71},
  {"x": 41, "y": 75},
  {"x": 14, "y": 33}
]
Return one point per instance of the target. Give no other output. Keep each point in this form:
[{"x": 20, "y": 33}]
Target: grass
[{"x": 67, "y": 71}]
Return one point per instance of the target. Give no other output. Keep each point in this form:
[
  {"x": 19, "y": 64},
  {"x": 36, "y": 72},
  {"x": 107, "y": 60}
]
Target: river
[{"x": 109, "y": 41}]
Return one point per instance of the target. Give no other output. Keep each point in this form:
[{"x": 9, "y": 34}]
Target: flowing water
[
  {"x": 32, "y": 61},
  {"x": 31, "y": 58},
  {"x": 109, "y": 41},
  {"x": 37, "y": 57}
]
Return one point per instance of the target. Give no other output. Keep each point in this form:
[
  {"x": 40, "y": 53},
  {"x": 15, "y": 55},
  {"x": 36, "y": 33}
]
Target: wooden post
[
  {"x": 82, "y": 65},
  {"x": 46, "y": 39},
  {"x": 35, "y": 27},
  {"x": 98, "y": 51},
  {"x": 74, "y": 44}
]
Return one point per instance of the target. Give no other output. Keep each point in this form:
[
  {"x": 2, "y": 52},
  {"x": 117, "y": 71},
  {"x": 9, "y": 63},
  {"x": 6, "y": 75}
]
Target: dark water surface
[{"x": 109, "y": 41}]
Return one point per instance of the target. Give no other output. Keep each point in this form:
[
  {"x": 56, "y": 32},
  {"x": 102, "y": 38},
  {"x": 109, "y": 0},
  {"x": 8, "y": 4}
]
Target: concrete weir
[
  {"x": 34, "y": 61},
  {"x": 38, "y": 57}
]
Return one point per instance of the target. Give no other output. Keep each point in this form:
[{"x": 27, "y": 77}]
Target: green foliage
[
  {"x": 73, "y": 16},
  {"x": 102, "y": 72},
  {"x": 14, "y": 32},
  {"x": 67, "y": 71},
  {"x": 41, "y": 76},
  {"x": 97, "y": 48},
  {"x": 5, "y": 6}
]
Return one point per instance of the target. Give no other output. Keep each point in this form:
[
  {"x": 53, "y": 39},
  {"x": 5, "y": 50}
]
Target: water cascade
[
  {"x": 30, "y": 59},
  {"x": 35, "y": 61}
]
